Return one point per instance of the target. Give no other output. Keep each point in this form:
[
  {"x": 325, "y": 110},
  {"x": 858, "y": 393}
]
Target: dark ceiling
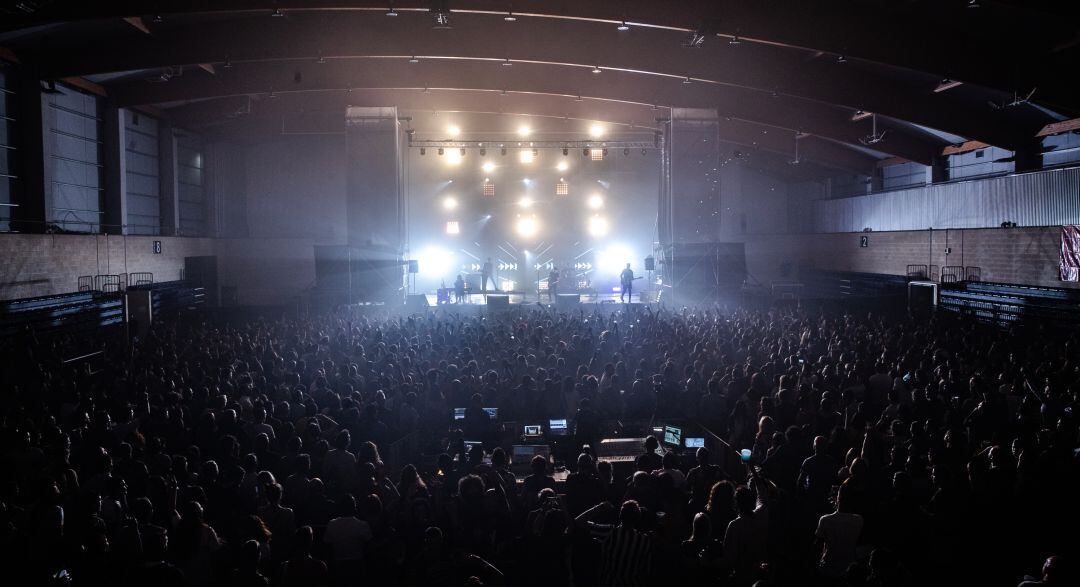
[{"x": 773, "y": 70}]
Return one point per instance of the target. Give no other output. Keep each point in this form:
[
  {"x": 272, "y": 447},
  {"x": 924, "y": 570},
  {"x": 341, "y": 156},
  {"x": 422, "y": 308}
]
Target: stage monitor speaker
[
  {"x": 566, "y": 300},
  {"x": 414, "y": 266},
  {"x": 498, "y": 302},
  {"x": 650, "y": 263},
  {"x": 416, "y": 302}
]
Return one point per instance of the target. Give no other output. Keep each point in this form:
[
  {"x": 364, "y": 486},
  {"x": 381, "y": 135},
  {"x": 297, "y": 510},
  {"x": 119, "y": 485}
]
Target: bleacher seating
[
  {"x": 172, "y": 296},
  {"x": 855, "y": 285},
  {"x": 70, "y": 312},
  {"x": 1005, "y": 303}
]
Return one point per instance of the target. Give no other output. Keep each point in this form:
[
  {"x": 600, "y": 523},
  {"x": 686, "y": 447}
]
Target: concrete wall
[
  {"x": 42, "y": 264},
  {"x": 1018, "y": 255}
]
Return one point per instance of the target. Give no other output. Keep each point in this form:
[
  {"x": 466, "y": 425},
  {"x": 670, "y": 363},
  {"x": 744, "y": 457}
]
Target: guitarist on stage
[{"x": 627, "y": 279}]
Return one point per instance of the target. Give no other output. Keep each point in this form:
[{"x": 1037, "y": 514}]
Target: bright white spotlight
[
  {"x": 453, "y": 130},
  {"x": 613, "y": 259},
  {"x": 526, "y": 156},
  {"x": 453, "y": 157},
  {"x": 488, "y": 167},
  {"x": 596, "y": 131},
  {"x": 598, "y": 226},
  {"x": 525, "y": 202},
  {"x": 453, "y": 227},
  {"x": 527, "y": 226},
  {"x": 524, "y": 130},
  {"x": 595, "y": 202},
  {"x": 435, "y": 261},
  {"x": 449, "y": 203},
  {"x": 562, "y": 166}
]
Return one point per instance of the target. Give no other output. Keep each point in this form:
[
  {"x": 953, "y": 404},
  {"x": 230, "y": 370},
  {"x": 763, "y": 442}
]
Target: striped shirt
[{"x": 625, "y": 555}]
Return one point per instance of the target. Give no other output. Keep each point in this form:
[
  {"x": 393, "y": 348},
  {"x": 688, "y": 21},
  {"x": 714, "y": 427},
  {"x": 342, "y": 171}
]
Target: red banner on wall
[{"x": 1070, "y": 253}]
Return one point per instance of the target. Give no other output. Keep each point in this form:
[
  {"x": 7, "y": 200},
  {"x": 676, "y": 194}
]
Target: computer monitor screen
[
  {"x": 492, "y": 413},
  {"x": 694, "y": 442},
  {"x": 557, "y": 427},
  {"x": 459, "y": 413},
  {"x": 469, "y": 444},
  {"x": 672, "y": 435},
  {"x": 532, "y": 430},
  {"x": 522, "y": 454}
]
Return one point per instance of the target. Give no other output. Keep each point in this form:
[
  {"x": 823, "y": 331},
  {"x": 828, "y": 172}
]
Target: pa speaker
[
  {"x": 414, "y": 266},
  {"x": 650, "y": 263},
  {"x": 567, "y": 300},
  {"x": 498, "y": 302},
  {"x": 416, "y": 302}
]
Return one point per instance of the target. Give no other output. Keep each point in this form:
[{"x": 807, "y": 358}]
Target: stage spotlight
[
  {"x": 565, "y": 151},
  {"x": 596, "y": 131},
  {"x": 453, "y": 227},
  {"x": 613, "y": 259},
  {"x": 525, "y": 202},
  {"x": 453, "y": 130},
  {"x": 423, "y": 151},
  {"x": 524, "y": 131},
  {"x": 625, "y": 152},
  {"x": 526, "y": 155},
  {"x": 527, "y": 226},
  {"x": 585, "y": 152},
  {"x": 598, "y": 226},
  {"x": 441, "y": 151},
  {"x": 463, "y": 151},
  {"x": 449, "y": 203},
  {"x": 483, "y": 152},
  {"x": 502, "y": 151},
  {"x": 435, "y": 262},
  {"x": 488, "y": 167},
  {"x": 453, "y": 156},
  {"x": 595, "y": 201},
  {"x": 562, "y": 166}
]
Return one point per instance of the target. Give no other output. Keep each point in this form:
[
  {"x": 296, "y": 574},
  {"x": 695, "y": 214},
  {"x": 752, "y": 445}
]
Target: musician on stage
[
  {"x": 553, "y": 283},
  {"x": 459, "y": 290},
  {"x": 486, "y": 274},
  {"x": 627, "y": 279}
]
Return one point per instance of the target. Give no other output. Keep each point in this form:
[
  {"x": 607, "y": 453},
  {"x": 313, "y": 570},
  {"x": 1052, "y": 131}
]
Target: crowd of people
[{"x": 880, "y": 451}]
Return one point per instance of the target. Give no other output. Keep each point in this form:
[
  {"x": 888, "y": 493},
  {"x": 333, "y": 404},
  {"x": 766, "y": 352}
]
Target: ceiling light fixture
[
  {"x": 734, "y": 41},
  {"x": 687, "y": 80},
  {"x": 841, "y": 59},
  {"x": 578, "y": 98},
  {"x": 441, "y": 18},
  {"x": 391, "y": 12},
  {"x": 623, "y": 27},
  {"x": 510, "y": 17},
  {"x": 596, "y": 69},
  {"x": 507, "y": 63},
  {"x": 277, "y": 13},
  {"x": 414, "y": 59}
]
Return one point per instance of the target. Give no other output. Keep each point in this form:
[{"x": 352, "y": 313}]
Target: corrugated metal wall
[
  {"x": 143, "y": 174},
  {"x": 8, "y": 151},
  {"x": 189, "y": 165},
  {"x": 74, "y": 160},
  {"x": 1044, "y": 198}
]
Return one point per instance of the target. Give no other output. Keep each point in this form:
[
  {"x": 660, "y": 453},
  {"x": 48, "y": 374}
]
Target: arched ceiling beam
[
  {"x": 997, "y": 45},
  {"x": 521, "y": 81},
  {"x": 647, "y": 52}
]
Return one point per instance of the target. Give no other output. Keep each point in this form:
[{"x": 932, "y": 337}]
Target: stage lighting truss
[{"x": 587, "y": 147}]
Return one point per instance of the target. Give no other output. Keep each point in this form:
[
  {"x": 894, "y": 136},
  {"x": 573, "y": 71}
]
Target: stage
[{"x": 518, "y": 298}]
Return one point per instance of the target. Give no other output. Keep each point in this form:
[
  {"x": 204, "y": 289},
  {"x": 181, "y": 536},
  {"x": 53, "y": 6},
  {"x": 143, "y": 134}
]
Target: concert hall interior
[{"x": 745, "y": 293}]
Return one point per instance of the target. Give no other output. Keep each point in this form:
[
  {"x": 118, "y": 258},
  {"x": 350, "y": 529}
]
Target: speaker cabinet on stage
[
  {"x": 650, "y": 263},
  {"x": 138, "y": 311},
  {"x": 498, "y": 302},
  {"x": 416, "y": 302},
  {"x": 568, "y": 300}
]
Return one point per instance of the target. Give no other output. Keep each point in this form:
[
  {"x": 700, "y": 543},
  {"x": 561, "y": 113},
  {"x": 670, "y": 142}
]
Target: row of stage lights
[
  {"x": 526, "y": 155},
  {"x": 528, "y": 225}
]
